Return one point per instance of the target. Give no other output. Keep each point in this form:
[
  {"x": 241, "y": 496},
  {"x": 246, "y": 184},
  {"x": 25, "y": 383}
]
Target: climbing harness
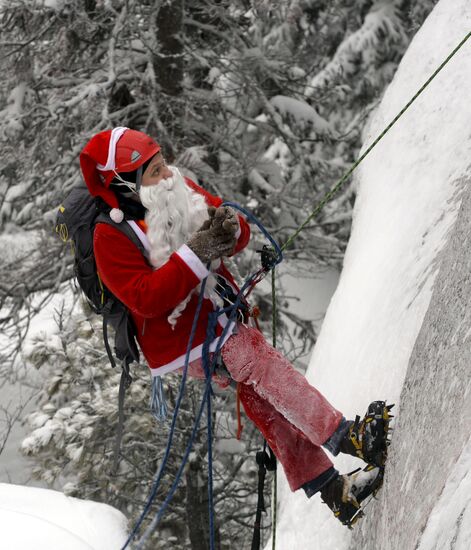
[{"x": 270, "y": 258}]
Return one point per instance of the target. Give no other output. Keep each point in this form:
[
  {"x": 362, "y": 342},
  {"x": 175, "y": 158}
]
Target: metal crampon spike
[{"x": 355, "y": 518}]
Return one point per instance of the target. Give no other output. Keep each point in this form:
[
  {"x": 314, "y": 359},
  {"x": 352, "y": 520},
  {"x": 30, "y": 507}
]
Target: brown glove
[
  {"x": 224, "y": 218},
  {"x": 212, "y": 243}
]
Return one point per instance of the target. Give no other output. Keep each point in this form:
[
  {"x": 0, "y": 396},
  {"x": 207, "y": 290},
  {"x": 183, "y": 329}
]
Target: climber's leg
[{"x": 253, "y": 362}]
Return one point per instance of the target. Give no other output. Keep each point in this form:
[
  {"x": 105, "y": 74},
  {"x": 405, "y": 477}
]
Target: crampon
[
  {"x": 345, "y": 493},
  {"x": 369, "y": 438}
]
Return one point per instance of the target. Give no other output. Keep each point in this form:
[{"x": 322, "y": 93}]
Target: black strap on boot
[{"x": 266, "y": 461}]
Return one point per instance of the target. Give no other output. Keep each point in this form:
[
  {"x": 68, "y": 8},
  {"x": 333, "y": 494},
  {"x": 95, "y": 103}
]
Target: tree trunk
[
  {"x": 168, "y": 63},
  {"x": 197, "y": 509}
]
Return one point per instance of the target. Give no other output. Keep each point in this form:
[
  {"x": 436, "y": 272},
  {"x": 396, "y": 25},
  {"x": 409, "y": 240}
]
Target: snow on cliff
[
  {"x": 396, "y": 328},
  {"x": 40, "y": 519}
]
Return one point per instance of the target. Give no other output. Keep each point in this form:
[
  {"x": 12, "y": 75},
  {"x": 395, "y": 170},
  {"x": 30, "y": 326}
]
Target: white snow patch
[
  {"x": 15, "y": 243},
  {"x": 45, "y": 520},
  {"x": 302, "y": 113}
]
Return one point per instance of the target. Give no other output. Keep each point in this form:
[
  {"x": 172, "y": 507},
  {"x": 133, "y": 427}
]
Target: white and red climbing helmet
[{"x": 111, "y": 153}]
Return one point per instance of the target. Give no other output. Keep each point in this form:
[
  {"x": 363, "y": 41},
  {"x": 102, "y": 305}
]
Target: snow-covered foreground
[
  {"x": 397, "y": 326},
  {"x": 40, "y": 519}
]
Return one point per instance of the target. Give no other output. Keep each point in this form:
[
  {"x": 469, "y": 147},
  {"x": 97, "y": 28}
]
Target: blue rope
[
  {"x": 163, "y": 464},
  {"x": 209, "y": 366},
  {"x": 178, "y": 476},
  {"x": 210, "y": 474},
  {"x": 212, "y": 320},
  {"x": 253, "y": 219},
  {"x": 206, "y": 397}
]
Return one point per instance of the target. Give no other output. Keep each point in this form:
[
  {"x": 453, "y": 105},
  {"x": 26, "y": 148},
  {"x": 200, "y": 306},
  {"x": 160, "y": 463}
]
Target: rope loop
[{"x": 270, "y": 256}]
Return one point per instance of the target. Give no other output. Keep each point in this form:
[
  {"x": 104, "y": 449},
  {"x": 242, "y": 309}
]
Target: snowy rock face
[
  {"x": 399, "y": 324},
  {"x": 434, "y": 423}
]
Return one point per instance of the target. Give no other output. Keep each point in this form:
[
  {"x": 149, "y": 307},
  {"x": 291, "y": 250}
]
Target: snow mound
[{"x": 41, "y": 519}]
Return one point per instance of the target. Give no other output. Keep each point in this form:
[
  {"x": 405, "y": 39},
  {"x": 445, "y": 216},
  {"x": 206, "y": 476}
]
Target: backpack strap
[
  {"x": 139, "y": 239},
  {"x": 105, "y": 314},
  {"x": 140, "y": 235},
  {"x": 124, "y": 383}
]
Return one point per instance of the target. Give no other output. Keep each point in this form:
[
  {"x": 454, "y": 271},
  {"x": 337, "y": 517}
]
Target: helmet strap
[
  {"x": 139, "y": 178},
  {"x": 119, "y": 181}
]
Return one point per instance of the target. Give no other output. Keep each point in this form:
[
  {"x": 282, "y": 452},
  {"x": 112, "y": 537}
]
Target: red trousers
[{"x": 292, "y": 415}]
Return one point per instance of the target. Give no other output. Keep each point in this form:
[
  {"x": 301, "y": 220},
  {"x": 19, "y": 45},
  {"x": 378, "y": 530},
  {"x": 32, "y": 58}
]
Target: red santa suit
[
  {"x": 293, "y": 416},
  {"x": 151, "y": 295}
]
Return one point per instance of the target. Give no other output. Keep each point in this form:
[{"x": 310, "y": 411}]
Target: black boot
[
  {"x": 345, "y": 493},
  {"x": 368, "y": 438}
]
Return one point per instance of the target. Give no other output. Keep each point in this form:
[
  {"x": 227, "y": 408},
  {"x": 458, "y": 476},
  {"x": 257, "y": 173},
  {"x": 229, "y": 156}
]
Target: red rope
[{"x": 239, "y": 422}]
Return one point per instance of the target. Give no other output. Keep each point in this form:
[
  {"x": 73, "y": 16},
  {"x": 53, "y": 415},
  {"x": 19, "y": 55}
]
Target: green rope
[
  {"x": 274, "y": 497},
  {"x": 328, "y": 196}
]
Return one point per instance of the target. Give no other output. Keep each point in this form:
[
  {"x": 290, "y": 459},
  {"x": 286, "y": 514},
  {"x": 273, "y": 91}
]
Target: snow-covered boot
[
  {"x": 368, "y": 438},
  {"x": 345, "y": 493}
]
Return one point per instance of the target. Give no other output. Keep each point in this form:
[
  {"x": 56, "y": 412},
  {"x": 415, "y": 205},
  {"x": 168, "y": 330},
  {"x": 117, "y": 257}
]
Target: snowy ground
[
  {"x": 397, "y": 326},
  {"x": 40, "y": 519}
]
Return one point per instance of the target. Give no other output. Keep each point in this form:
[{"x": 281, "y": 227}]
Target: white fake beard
[{"x": 174, "y": 213}]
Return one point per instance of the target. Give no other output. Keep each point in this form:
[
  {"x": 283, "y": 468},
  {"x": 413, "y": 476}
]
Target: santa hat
[{"x": 101, "y": 160}]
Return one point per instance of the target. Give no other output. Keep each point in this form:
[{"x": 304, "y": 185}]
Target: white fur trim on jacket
[
  {"x": 192, "y": 261},
  {"x": 196, "y": 352}
]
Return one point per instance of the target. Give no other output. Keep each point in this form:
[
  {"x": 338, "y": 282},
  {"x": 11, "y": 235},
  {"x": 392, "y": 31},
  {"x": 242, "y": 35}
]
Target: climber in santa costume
[{"x": 187, "y": 233}]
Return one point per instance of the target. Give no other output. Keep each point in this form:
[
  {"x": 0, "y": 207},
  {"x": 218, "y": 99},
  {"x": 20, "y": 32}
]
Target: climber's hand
[
  {"x": 224, "y": 219},
  {"x": 210, "y": 244}
]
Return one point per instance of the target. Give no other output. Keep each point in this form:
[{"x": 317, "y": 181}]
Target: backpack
[{"x": 76, "y": 220}]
